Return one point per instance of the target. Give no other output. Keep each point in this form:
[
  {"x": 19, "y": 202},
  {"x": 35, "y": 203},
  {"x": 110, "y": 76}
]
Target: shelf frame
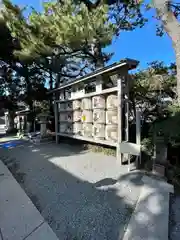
[
  {"x": 122, "y": 91},
  {"x": 88, "y": 95},
  {"x": 99, "y": 141}
]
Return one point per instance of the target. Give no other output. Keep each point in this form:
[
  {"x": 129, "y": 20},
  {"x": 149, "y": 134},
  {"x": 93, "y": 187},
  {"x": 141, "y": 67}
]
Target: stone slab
[
  {"x": 44, "y": 232},
  {"x": 160, "y": 185},
  {"x": 4, "y": 172},
  {"x": 18, "y": 216},
  {"x": 150, "y": 219}
]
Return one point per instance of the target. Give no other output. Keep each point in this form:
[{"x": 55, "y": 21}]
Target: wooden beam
[
  {"x": 130, "y": 63},
  {"x": 87, "y": 95},
  {"x": 126, "y": 156},
  {"x": 130, "y": 148},
  {"x": 138, "y": 134},
  {"x": 88, "y": 139}
]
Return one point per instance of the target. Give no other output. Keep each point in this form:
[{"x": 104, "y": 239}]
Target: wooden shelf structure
[
  {"x": 87, "y": 95},
  {"x": 88, "y": 139},
  {"x": 120, "y": 86}
]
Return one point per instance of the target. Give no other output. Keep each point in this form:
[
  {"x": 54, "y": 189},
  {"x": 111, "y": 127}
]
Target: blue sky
[{"x": 141, "y": 44}]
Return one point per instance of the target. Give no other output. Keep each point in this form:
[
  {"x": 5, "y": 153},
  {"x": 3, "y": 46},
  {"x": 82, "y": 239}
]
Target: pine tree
[
  {"x": 7, "y": 43},
  {"x": 128, "y": 14},
  {"x": 10, "y": 88},
  {"x": 65, "y": 25}
]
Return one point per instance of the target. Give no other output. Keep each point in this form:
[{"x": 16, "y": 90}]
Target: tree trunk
[
  {"x": 177, "y": 51},
  {"x": 172, "y": 28},
  {"x": 96, "y": 51},
  {"x": 50, "y": 76},
  {"x": 99, "y": 56}
]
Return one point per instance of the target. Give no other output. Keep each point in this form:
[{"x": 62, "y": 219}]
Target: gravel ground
[
  {"x": 82, "y": 195},
  {"x": 174, "y": 228}
]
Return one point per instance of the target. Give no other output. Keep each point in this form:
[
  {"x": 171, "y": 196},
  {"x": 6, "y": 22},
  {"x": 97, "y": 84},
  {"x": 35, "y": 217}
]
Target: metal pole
[{"x": 119, "y": 93}]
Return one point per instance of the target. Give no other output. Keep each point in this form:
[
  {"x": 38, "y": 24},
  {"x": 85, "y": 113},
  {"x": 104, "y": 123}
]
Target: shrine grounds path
[{"x": 81, "y": 194}]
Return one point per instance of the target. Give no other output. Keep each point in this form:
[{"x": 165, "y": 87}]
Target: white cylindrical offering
[
  {"x": 86, "y": 104},
  {"x": 76, "y": 104},
  {"x": 111, "y": 133},
  {"x": 99, "y": 116},
  {"x": 77, "y": 128},
  {"x": 111, "y": 117},
  {"x": 87, "y": 130},
  {"x": 99, "y": 131},
  {"x": 87, "y": 116},
  {"x": 112, "y": 101},
  {"x": 98, "y": 102}
]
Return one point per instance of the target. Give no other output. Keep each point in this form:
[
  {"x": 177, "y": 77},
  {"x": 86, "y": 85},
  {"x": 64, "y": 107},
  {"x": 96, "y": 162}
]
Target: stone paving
[
  {"x": 82, "y": 195},
  {"x": 150, "y": 219}
]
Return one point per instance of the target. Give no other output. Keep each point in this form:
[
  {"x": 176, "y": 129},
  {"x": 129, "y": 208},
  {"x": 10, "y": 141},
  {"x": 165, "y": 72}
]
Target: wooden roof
[{"x": 130, "y": 63}]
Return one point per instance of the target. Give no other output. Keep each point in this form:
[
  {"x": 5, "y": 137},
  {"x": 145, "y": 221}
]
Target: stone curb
[{"x": 19, "y": 218}]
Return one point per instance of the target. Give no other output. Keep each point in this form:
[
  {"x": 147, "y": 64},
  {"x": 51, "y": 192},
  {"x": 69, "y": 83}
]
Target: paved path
[
  {"x": 150, "y": 220},
  {"x": 82, "y": 195},
  {"x": 19, "y": 219},
  {"x": 175, "y": 217}
]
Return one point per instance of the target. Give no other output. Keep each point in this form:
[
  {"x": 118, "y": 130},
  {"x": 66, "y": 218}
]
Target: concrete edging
[{"x": 19, "y": 218}]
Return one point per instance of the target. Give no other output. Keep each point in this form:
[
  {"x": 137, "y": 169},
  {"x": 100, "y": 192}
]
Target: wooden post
[
  {"x": 56, "y": 120},
  {"x": 160, "y": 155},
  {"x": 127, "y": 111},
  {"x": 138, "y": 134},
  {"x": 126, "y": 156},
  {"x": 99, "y": 84},
  {"x": 154, "y": 149},
  {"x": 119, "y": 93}
]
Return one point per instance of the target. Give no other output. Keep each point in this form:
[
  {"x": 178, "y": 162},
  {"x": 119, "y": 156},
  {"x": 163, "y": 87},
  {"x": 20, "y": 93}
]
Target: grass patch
[
  {"x": 101, "y": 149},
  {"x": 82, "y": 145}
]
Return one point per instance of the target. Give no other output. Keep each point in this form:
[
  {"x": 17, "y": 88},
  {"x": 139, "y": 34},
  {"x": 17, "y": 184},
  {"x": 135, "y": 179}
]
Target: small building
[{"x": 20, "y": 120}]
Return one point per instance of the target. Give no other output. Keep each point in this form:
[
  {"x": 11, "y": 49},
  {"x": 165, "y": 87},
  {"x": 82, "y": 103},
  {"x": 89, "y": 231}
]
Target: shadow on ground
[{"x": 82, "y": 195}]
